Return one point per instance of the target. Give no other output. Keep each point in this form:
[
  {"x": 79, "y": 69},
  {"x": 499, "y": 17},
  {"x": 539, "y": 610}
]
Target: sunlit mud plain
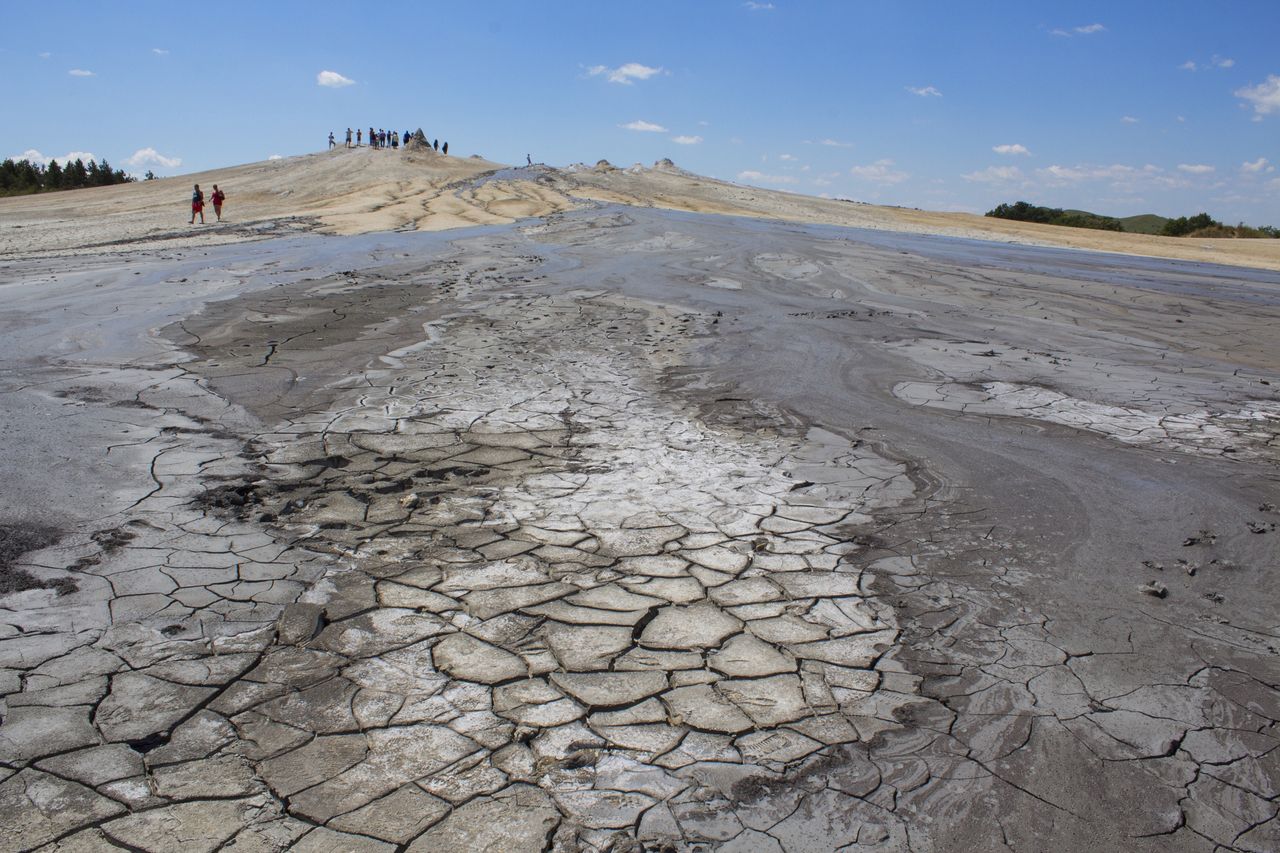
[{"x": 626, "y": 529}]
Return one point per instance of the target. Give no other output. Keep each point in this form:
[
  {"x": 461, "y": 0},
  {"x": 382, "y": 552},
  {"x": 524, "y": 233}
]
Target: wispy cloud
[
  {"x": 1128, "y": 120},
  {"x": 1121, "y": 177},
  {"x": 788, "y": 157},
  {"x": 758, "y": 7},
  {"x": 1014, "y": 149},
  {"x": 1257, "y": 166},
  {"x": 879, "y": 172},
  {"x": 761, "y": 178},
  {"x": 643, "y": 126},
  {"x": 686, "y": 140},
  {"x": 1195, "y": 168},
  {"x": 44, "y": 54},
  {"x": 275, "y": 157},
  {"x": 924, "y": 91},
  {"x": 152, "y": 157},
  {"x": 333, "y": 80},
  {"x": 1085, "y": 30},
  {"x": 80, "y": 72},
  {"x": 835, "y": 143},
  {"x": 1214, "y": 62},
  {"x": 1265, "y": 97},
  {"x": 995, "y": 175},
  {"x": 159, "y": 51},
  {"x": 624, "y": 74}
]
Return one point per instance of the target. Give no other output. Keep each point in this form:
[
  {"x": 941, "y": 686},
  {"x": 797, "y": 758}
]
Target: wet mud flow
[{"x": 627, "y": 530}]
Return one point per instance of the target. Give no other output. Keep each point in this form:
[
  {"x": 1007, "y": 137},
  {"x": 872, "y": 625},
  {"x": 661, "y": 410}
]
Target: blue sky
[{"x": 1169, "y": 107}]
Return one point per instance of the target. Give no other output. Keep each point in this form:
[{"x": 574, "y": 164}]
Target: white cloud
[
  {"x": 1011, "y": 149},
  {"x": 762, "y": 178},
  {"x": 333, "y": 80},
  {"x": 758, "y": 7},
  {"x": 643, "y": 126},
  {"x": 624, "y": 74},
  {"x": 924, "y": 91},
  {"x": 44, "y": 54},
  {"x": 1086, "y": 30},
  {"x": 31, "y": 155},
  {"x": 995, "y": 175},
  {"x": 1215, "y": 62},
  {"x": 275, "y": 157},
  {"x": 1128, "y": 120},
  {"x": 1259, "y": 165},
  {"x": 1075, "y": 174},
  {"x": 80, "y": 72},
  {"x": 159, "y": 51},
  {"x": 1265, "y": 96},
  {"x": 1195, "y": 168},
  {"x": 150, "y": 156},
  {"x": 686, "y": 140},
  {"x": 788, "y": 157},
  {"x": 880, "y": 172}
]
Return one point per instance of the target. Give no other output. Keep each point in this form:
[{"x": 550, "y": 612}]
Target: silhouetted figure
[
  {"x": 197, "y": 205},
  {"x": 444, "y": 149},
  {"x": 528, "y": 161},
  {"x": 331, "y": 142},
  {"x": 395, "y": 139},
  {"x": 358, "y": 132},
  {"x": 407, "y": 134},
  {"x": 435, "y": 143},
  {"x": 348, "y": 137}
]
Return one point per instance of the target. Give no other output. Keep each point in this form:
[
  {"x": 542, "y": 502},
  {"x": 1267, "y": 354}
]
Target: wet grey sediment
[{"x": 517, "y": 583}]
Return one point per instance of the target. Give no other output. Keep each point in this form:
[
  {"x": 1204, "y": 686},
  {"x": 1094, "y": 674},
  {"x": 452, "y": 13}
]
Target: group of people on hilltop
[{"x": 383, "y": 139}]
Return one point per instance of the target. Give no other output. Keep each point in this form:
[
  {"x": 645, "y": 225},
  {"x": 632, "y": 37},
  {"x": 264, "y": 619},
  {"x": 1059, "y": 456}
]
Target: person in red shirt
[
  {"x": 217, "y": 198},
  {"x": 197, "y": 205}
]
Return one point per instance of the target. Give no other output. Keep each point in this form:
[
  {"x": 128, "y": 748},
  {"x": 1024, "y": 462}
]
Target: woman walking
[
  {"x": 197, "y": 205},
  {"x": 217, "y": 198}
]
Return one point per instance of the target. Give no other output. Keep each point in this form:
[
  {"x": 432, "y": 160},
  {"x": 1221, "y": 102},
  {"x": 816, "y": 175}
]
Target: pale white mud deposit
[{"x": 535, "y": 539}]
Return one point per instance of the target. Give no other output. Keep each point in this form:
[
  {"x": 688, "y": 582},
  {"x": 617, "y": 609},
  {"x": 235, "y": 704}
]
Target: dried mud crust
[{"x": 564, "y": 594}]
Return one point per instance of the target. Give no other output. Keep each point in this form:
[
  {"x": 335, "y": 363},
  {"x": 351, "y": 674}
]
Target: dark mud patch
[{"x": 19, "y": 539}]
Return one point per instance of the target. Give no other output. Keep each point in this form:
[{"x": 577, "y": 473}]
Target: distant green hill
[{"x": 1144, "y": 223}]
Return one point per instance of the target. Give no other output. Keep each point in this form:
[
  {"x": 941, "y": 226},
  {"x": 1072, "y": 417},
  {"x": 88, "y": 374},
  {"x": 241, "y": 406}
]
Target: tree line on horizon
[
  {"x": 1200, "y": 225},
  {"x": 23, "y": 177}
]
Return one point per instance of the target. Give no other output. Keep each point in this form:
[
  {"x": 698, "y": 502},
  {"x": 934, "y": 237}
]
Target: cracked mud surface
[{"x": 630, "y": 530}]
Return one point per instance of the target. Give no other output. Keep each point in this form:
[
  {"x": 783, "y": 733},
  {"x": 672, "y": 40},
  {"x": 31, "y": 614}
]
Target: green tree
[{"x": 53, "y": 176}]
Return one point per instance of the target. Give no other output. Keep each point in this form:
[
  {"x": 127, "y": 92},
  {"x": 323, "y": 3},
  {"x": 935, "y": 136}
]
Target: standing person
[
  {"x": 445, "y": 149},
  {"x": 373, "y": 140},
  {"x": 197, "y": 205},
  {"x": 406, "y": 137},
  {"x": 528, "y": 161},
  {"x": 348, "y": 137},
  {"x": 395, "y": 140},
  {"x": 219, "y": 197},
  {"x": 435, "y": 143},
  {"x": 331, "y": 142},
  {"x": 358, "y": 137}
]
